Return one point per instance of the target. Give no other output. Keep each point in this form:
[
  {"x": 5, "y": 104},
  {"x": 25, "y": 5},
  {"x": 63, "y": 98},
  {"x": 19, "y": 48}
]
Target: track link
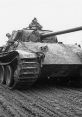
[{"x": 28, "y": 74}]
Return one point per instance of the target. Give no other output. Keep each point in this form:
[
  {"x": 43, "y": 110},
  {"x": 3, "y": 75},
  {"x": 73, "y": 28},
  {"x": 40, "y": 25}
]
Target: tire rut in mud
[{"x": 42, "y": 100}]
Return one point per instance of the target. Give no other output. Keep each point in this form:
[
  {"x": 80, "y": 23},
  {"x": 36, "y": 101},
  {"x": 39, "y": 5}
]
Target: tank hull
[
  {"x": 56, "y": 53},
  {"x": 32, "y": 61},
  {"x": 58, "y": 70}
]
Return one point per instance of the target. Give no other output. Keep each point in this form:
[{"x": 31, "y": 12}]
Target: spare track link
[{"x": 28, "y": 74}]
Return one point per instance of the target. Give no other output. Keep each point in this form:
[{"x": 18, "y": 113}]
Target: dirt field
[{"x": 41, "y": 100}]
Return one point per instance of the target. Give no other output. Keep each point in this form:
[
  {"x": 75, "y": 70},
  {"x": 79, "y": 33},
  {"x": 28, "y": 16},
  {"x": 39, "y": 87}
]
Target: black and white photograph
[{"x": 40, "y": 58}]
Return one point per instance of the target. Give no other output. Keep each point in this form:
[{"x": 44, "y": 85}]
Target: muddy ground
[{"x": 44, "y": 99}]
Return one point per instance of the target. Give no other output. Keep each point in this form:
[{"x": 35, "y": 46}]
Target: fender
[{"x": 8, "y": 57}]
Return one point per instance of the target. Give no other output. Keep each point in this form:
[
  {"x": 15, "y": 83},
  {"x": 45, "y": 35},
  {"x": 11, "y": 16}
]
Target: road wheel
[
  {"x": 2, "y": 78},
  {"x": 9, "y": 76}
]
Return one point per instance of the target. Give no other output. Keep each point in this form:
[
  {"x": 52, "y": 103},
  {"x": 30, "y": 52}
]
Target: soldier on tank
[
  {"x": 35, "y": 36},
  {"x": 11, "y": 40},
  {"x": 35, "y": 25},
  {"x": 5, "y": 48}
]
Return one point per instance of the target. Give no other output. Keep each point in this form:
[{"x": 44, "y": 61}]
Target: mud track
[{"x": 41, "y": 100}]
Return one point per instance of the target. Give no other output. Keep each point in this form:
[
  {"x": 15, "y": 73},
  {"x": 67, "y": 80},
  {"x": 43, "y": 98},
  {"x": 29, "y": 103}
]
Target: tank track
[
  {"x": 26, "y": 73},
  {"x": 29, "y": 72}
]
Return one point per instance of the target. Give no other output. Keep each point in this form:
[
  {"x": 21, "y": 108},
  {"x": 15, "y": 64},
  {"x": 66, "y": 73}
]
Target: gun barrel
[{"x": 62, "y": 32}]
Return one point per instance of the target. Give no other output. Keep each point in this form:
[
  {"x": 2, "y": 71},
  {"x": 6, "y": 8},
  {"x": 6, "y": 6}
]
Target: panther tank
[{"x": 33, "y": 53}]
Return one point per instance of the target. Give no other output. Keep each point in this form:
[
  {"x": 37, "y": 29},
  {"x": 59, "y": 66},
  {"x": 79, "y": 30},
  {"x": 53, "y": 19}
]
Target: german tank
[{"x": 32, "y": 53}]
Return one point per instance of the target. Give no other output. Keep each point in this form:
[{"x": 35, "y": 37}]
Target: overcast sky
[{"x": 52, "y": 14}]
